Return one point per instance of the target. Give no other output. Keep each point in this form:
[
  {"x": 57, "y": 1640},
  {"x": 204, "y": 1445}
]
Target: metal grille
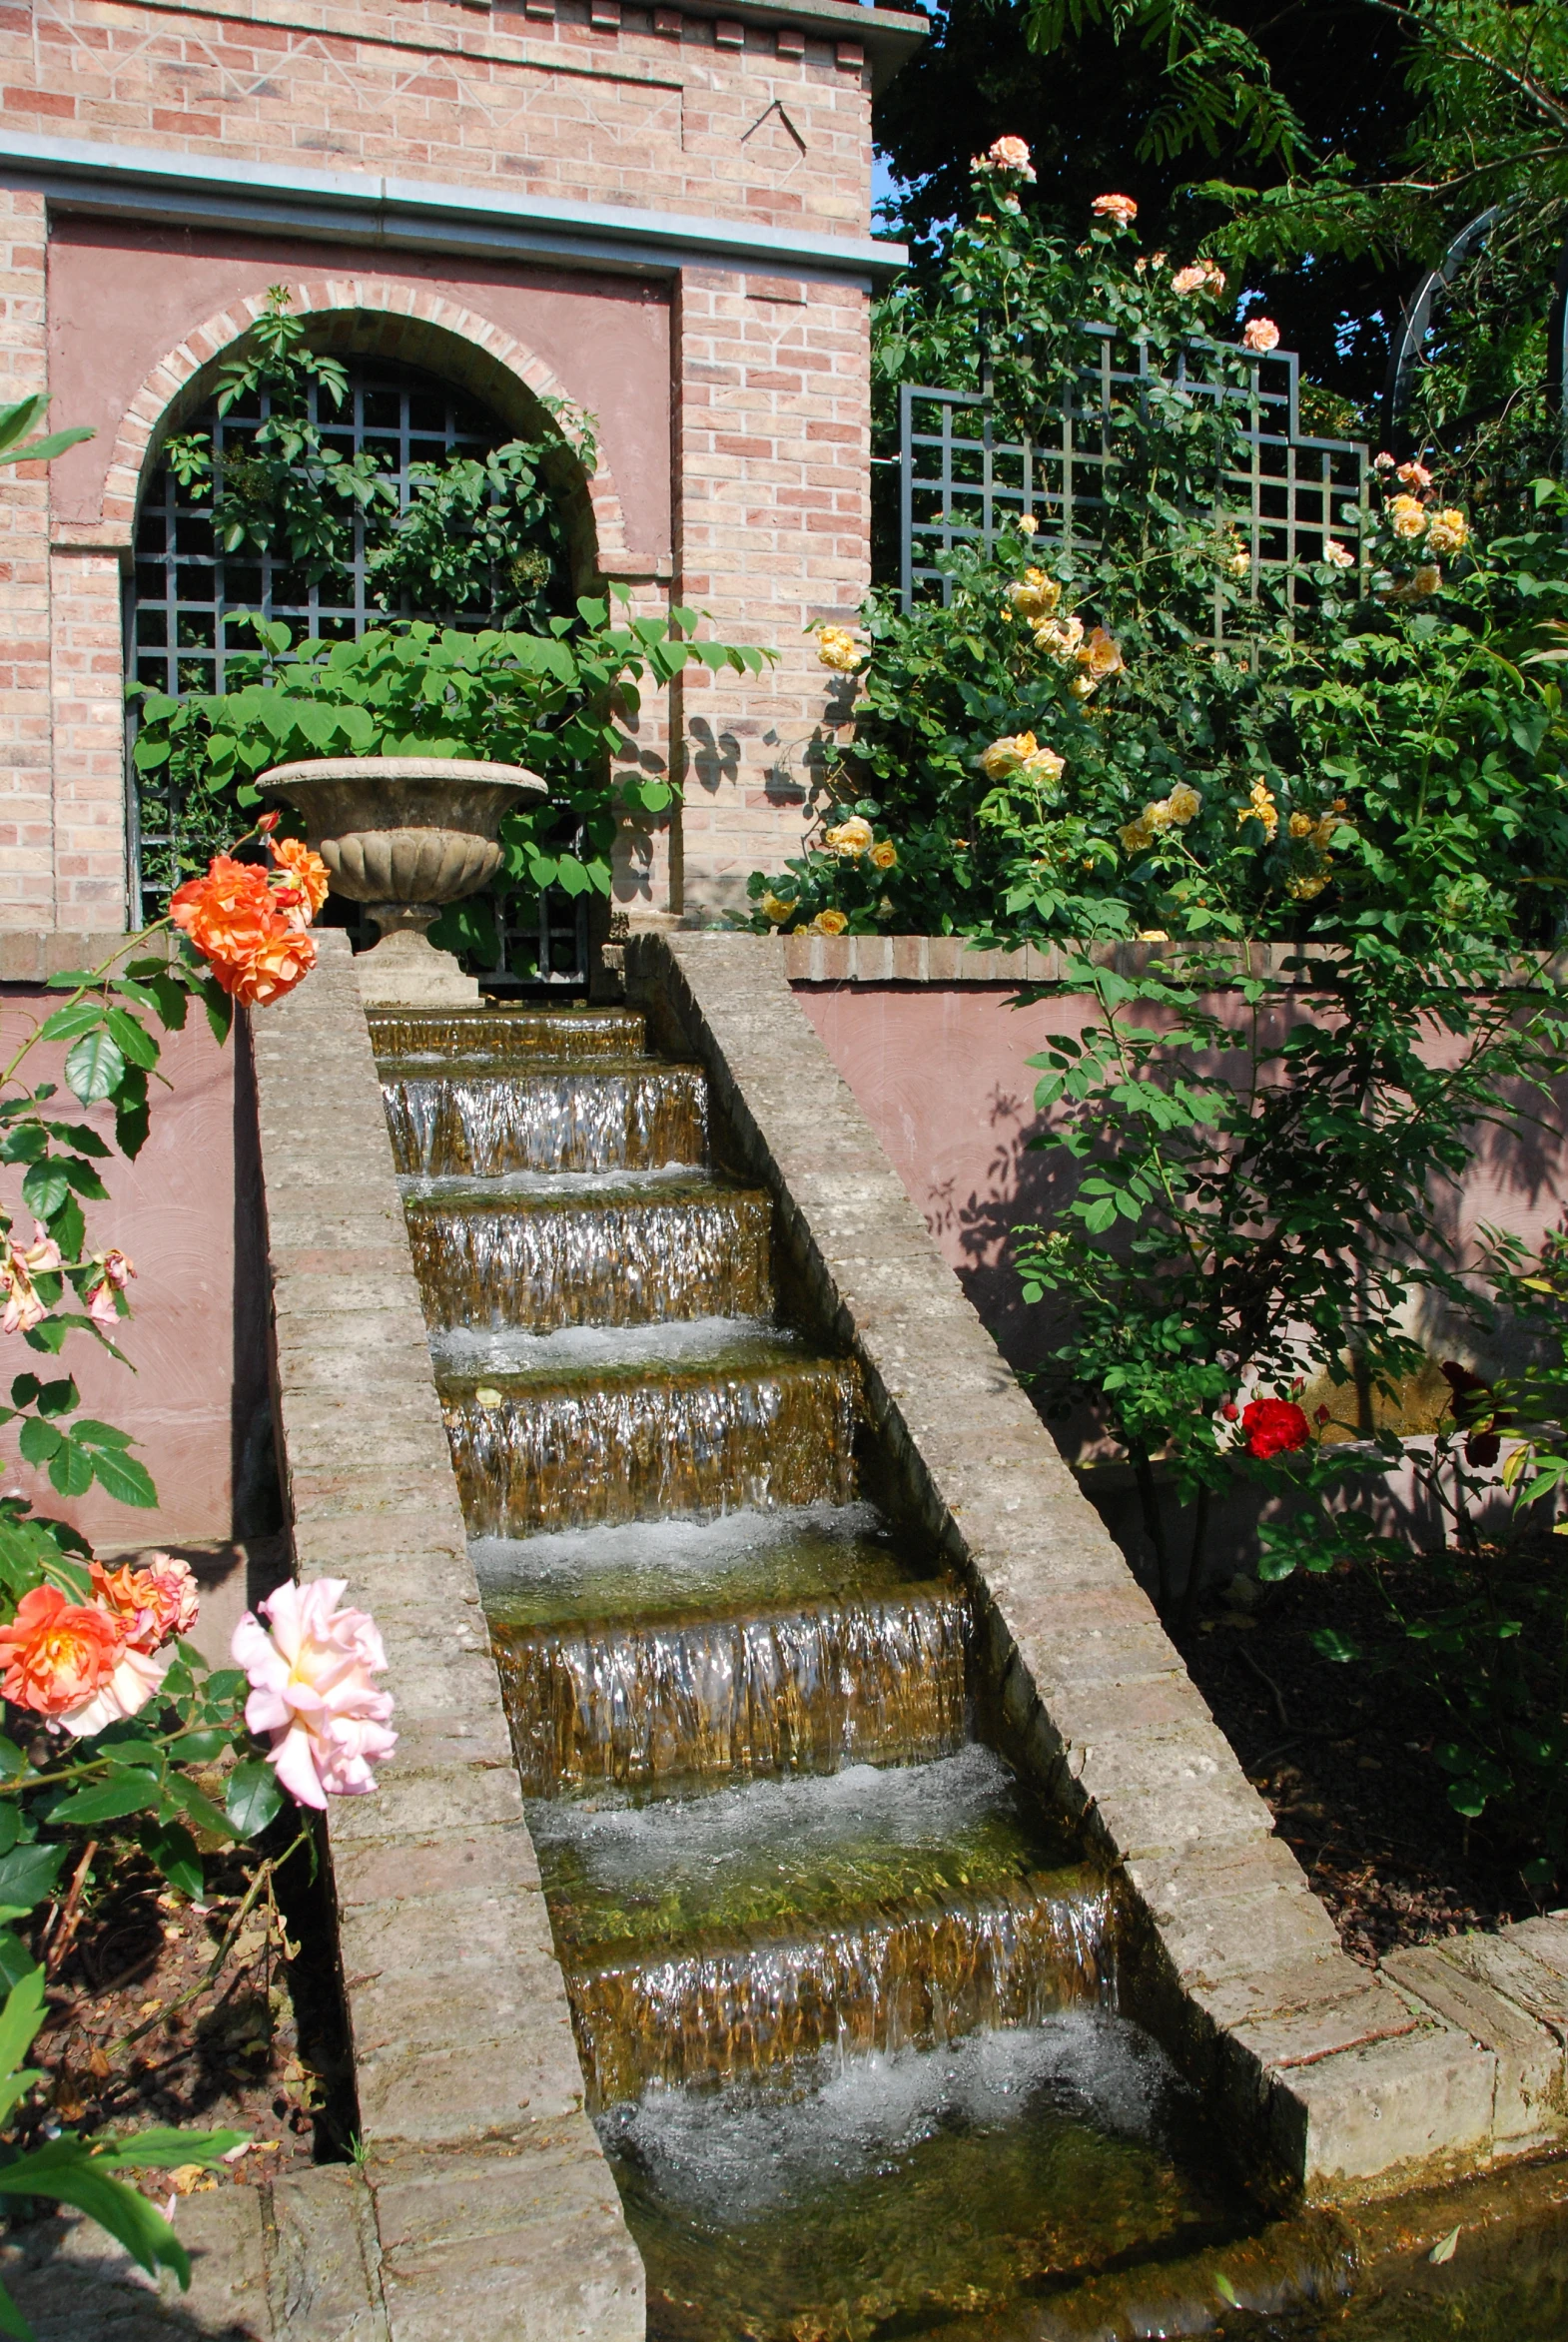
[
  {"x": 961, "y": 483},
  {"x": 184, "y": 609}
]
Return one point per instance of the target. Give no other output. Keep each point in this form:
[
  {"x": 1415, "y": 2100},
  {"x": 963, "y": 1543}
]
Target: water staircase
[{"x": 845, "y": 1990}]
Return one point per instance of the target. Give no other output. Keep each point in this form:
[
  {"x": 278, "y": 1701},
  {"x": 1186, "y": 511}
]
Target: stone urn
[{"x": 406, "y": 836}]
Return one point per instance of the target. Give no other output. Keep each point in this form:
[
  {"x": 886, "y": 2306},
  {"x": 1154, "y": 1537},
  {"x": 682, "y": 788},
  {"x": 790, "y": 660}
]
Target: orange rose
[
  {"x": 56, "y": 1653},
  {"x": 249, "y": 931},
  {"x": 307, "y": 871},
  {"x": 149, "y": 1605},
  {"x": 284, "y": 958}
]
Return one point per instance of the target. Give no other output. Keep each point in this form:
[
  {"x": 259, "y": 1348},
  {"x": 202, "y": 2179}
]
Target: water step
[
  {"x": 964, "y": 2191},
  {"x": 620, "y": 1253},
  {"x": 584, "y": 1118},
  {"x": 879, "y": 1680},
  {"x": 506, "y": 1032},
  {"x": 679, "y": 1570},
  {"x": 760, "y": 1926},
  {"x": 634, "y": 1442},
  {"x": 768, "y": 1857}
]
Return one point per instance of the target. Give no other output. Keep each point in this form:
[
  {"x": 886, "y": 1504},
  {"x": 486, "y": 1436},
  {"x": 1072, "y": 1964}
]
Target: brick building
[{"x": 661, "y": 216}]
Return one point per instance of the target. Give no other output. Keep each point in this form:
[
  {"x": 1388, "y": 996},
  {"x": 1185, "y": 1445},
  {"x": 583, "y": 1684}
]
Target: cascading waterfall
[
  {"x": 843, "y": 1989},
  {"x": 632, "y": 1256},
  {"x": 715, "y": 1697}
]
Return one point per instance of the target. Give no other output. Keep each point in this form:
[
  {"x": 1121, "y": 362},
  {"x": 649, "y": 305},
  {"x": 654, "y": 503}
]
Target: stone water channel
[{"x": 845, "y": 1993}]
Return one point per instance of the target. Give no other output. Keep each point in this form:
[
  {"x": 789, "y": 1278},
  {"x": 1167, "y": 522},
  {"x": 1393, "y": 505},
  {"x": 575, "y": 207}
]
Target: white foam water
[
  {"x": 623, "y": 1844},
  {"x": 672, "y": 1547},
  {"x": 587, "y": 1186},
  {"x": 512, "y": 1349},
  {"x": 757, "y": 2146}
]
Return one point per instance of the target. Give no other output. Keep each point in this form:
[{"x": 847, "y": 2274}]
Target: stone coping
[
  {"x": 495, "y": 2213},
  {"x": 1338, "y": 2081},
  {"x": 948, "y": 960}
]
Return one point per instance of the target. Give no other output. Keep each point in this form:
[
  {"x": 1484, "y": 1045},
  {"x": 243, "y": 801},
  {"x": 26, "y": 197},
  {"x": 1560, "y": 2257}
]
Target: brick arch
[{"x": 374, "y": 316}]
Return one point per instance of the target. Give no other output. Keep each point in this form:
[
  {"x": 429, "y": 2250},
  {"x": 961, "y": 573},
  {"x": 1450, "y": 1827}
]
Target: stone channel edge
[
  {"x": 494, "y": 2209},
  {"x": 1344, "y": 2082}
]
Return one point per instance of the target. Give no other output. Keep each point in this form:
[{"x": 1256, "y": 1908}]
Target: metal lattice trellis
[
  {"x": 961, "y": 482},
  {"x": 185, "y": 597}
]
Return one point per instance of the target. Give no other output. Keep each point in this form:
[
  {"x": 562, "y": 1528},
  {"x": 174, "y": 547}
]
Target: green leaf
[
  {"x": 196, "y": 1806},
  {"x": 27, "y": 1875},
  {"x": 45, "y": 1188},
  {"x": 38, "y": 1440},
  {"x": 70, "y": 1469},
  {"x": 170, "y": 1846},
  {"x": 75, "y": 1017},
  {"x": 253, "y": 1797},
  {"x": 126, "y": 1790},
  {"x": 123, "y": 1478},
  {"x": 93, "y": 1067},
  {"x": 136, "y": 1043}
]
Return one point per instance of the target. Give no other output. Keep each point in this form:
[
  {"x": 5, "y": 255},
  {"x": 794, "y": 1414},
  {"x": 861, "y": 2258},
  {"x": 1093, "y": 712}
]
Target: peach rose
[
  {"x": 312, "y": 1693},
  {"x": 149, "y": 1603},
  {"x": 56, "y": 1653},
  {"x": 1414, "y": 475},
  {"x": 1100, "y": 656},
  {"x": 125, "y": 1691},
  {"x": 1260, "y": 335},
  {"x": 307, "y": 870},
  {"x": 1119, "y": 208}
]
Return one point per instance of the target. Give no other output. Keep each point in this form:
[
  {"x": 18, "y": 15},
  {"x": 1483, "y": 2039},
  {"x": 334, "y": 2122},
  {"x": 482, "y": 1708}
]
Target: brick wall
[{"x": 732, "y": 401}]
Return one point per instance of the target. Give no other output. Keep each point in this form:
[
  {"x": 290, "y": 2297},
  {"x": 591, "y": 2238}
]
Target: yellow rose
[
  {"x": 1100, "y": 655},
  {"x": 1004, "y": 756},
  {"x": 1025, "y": 525},
  {"x": 885, "y": 855},
  {"x": 1449, "y": 532},
  {"x": 773, "y": 908},
  {"x": 1135, "y": 835},
  {"x": 838, "y": 650},
  {"x": 1301, "y": 825},
  {"x": 850, "y": 838},
  {"x": 1153, "y": 935},
  {"x": 1035, "y": 595},
  {"x": 1043, "y": 765},
  {"x": 828, "y": 923},
  {"x": 1183, "y": 803},
  {"x": 1239, "y": 563},
  {"x": 1408, "y": 517},
  {"x": 1060, "y": 637},
  {"x": 1304, "y": 889},
  {"x": 1262, "y": 810}
]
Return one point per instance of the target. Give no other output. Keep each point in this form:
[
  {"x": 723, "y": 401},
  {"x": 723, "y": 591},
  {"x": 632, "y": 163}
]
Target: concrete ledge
[
  {"x": 465, "y": 2066},
  {"x": 1341, "y": 2084}
]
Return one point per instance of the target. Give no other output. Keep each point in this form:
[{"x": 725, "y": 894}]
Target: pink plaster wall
[
  {"x": 122, "y": 298},
  {"x": 940, "y": 1073},
  {"x": 188, "y": 1212}
]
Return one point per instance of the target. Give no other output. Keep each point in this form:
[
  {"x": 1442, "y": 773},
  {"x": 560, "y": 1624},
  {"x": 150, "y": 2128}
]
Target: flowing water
[{"x": 845, "y": 1993}]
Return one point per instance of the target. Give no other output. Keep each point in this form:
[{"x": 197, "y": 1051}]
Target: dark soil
[
  {"x": 1342, "y": 1754},
  {"x": 137, "y": 2034}
]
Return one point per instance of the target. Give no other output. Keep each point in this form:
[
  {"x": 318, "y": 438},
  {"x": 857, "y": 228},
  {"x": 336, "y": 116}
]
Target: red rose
[
  {"x": 1471, "y": 1401},
  {"x": 1273, "y": 1426}
]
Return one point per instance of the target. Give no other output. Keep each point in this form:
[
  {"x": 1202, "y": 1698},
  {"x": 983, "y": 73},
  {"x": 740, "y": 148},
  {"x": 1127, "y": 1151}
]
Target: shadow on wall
[{"x": 195, "y": 1395}]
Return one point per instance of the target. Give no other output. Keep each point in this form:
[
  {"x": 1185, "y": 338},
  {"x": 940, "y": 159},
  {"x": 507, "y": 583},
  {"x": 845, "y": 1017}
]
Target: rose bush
[
  {"x": 109, "y": 1708},
  {"x": 1372, "y": 739}
]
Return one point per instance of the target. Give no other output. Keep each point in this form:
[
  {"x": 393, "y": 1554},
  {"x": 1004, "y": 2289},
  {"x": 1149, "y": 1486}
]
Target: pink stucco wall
[
  {"x": 940, "y": 1072},
  {"x": 121, "y": 297},
  {"x": 188, "y": 1212}
]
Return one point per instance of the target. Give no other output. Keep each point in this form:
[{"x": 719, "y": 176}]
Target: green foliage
[
  {"x": 24, "y": 417},
  {"x": 1481, "y": 1626},
  {"x": 1396, "y": 701},
  {"x": 560, "y": 702},
  {"x": 1263, "y": 1221},
  {"x": 290, "y": 486},
  {"x": 85, "y": 2172}
]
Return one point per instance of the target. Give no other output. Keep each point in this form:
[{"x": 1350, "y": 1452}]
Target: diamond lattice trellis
[{"x": 961, "y": 482}]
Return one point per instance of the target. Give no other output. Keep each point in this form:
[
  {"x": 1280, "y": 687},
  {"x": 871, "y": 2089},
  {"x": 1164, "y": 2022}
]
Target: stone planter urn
[{"x": 405, "y": 836}]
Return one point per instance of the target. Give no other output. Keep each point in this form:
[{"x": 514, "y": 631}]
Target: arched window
[{"x": 186, "y": 596}]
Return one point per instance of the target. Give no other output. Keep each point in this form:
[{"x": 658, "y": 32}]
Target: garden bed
[
  {"x": 1343, "y": 1756},
  {"x": 139, "y": 2033}
]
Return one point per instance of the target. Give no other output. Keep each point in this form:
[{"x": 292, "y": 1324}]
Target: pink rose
[
  {"x": 312, "y": 1690},
  {"x": 1119, "y": 208},
  {"x": 1414, "y": 475},
  {"x": 174, "y": 1596},
  {"x": 101, "y": 1308},
  {"x": 1192, "y": 279},
  {"x": 118, "y": 1267},
  {"x": 1261, "y": 335},
  {"x": 42, "y": 1256}
]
